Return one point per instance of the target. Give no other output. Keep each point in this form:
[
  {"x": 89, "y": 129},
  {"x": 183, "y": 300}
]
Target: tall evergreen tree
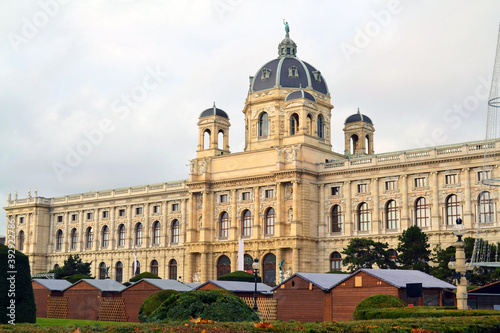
[
  {"x": 73, "y": 265},
  {"x": 364, "y": 253},
  {"x": 413, "y": 250}
]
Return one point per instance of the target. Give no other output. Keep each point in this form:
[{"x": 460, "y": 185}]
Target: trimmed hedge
[
  {"x": 424, "y": 312},
  {"x": 153, "y": 302},
  {"x": 219, "y": 305},
  {"x": 17, "y": 299},
  {"x": 145, "y": 275},
  {"x": 76, "y": 277},
  {"x": 239, "y": 276},
  {"x": 377, "y": 302}
]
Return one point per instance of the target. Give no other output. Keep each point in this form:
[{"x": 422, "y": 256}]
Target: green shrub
[
  {"x": 145, "y": 275},
  {"x": 377, "y": 302},
  {"x": 153, "y": 302},
  {"x": 423, "y": 312},
  {"x": 76, "y": 278},
  {"x": 216, "y": 304},
  {"x": 239, "y": 276},
  {"x": 17, "y": 298}
]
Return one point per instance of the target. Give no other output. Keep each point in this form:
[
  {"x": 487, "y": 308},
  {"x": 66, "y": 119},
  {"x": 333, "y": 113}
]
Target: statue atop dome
[{"x": 287, "y": 28}]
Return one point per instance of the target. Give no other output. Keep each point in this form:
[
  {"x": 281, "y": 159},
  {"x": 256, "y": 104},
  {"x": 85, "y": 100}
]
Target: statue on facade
[
  {"x": 197, "y": 277},
  {"x": 9, "y": 197},
  {"x": 15, "y": 195},
  {"x": 29, "y": 193},
  {"x": 281, "y": 270}
]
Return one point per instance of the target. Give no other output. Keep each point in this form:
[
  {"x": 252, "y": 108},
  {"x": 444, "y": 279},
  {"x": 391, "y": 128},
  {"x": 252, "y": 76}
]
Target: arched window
[
  {"x": 367, "y": 145},
  {"x": 74, "y": 238},
  {"x": 20, "y": 241},
  {"x": 206, "y": 139},
  {"x": 263, "y": 124},
  {"x": 309, "y": 128},
  {"x": 391, "y": 213},
  {"x": 136, "y": 268},
  {"x": 363, "y": 217},
  {"x": 270, "y": 218},
  {"x": 105, "y": 236},
  {"x": 102, "y": 271},
  {"x": 156, "y": 232},
  {"x": 220, "y": 140},
  {"x": 354, "y": 144},
  {"x": 119, "y": 271},
  {"x": 121, "y": 235},
  {"x": 89, "y": 235},
  {"x": 269, "y": 269},
  {"x": 393, "y": 255},
  {"x": 224, "y": 225},
  {"x": 223, "y": 266},
  {"x": 56, "y": 266},
  {"x": 335, "y": 261},
  {"x": 452, "y": 209},
  {"x": 486, "y": 210},
  {"x": 175, "y": 232},
  {"x": 321, "y": 126},
  {"x": 172, "y": 269},
  {"x": 336, "y": 218},
  {"x": 246, "y": 218},
  {"x": 422, "y": 215},
  {"x": 294, "y": 124},
  {"x": 138, "y": 234},
  {"x": 154, "y": 267},
  {"x": 59, "y": 240},
  {"x": 247, "y": 263}
]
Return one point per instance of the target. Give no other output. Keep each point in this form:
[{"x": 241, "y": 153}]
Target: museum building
[{"x": 288, "y": 196}]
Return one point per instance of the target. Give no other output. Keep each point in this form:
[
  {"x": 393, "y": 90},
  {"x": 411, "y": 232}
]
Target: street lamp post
[
  {"x": 458, "y": 266},
  {"x": 255, "y": 268}
]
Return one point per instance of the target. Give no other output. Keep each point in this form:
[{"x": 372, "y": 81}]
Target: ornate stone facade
[{"x": 287, "y": 195}]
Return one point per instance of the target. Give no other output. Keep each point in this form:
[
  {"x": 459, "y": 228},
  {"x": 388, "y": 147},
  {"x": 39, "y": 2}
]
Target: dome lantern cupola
[
  {"x": 358, "y": 133},
  {"x": 213, "y": 133},
  {"x": 287, "y": 47}
]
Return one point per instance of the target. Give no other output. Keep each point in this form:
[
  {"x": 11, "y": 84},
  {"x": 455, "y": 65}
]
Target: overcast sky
[{"x": 123, "y": 82}]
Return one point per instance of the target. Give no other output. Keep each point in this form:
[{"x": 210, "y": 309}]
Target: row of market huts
[{"x": 302, "y": 297}]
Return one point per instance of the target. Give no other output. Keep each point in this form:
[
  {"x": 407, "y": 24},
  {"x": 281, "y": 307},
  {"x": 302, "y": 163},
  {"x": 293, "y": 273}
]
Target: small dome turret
[{"x": 213, "y": 111}]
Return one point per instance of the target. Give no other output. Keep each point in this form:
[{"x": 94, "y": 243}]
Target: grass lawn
[{"x": 75, "y": 322}]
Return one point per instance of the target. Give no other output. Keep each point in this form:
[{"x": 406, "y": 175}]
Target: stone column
[
  {"x": 166, "y": 224},
  {"x": 204, "y": 267},
  {"x": 233, "y": 230},
  {"x": 348, "y": 224},
  {"x": 296, "y": 224},
  {"x": 467, "y": 213},
  {"x": 295, "y": 261},
  {"x": 113, "y": 232},
  {"x": 146, "y": 241},
  {"x": 205, "y": 229},
  {"x": 188, "y": 272},
  {"x": 322, "y": 226},
  {"x": 435, "y": 215},
  {"x": 130, "y": 228},
  {"x": 256, "y": 230},
  {"x": 280, "y": 221},
  {"x": 183, "y": 222},
  {"x": 377, "y": 222},
  {"x": 405, "y": 218}
]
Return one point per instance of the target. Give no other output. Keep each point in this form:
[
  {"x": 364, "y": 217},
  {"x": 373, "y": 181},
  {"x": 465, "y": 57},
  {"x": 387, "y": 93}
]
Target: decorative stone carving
[
  {"x": 203, "y": 165},
  {"x": 287, "y": 273},
  {"x": 197, "y": 277},
  {"x": 291, "y": 153}
]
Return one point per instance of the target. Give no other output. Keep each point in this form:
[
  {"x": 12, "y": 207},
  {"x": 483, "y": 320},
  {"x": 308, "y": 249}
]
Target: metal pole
[{"x": 255, "y": 293}]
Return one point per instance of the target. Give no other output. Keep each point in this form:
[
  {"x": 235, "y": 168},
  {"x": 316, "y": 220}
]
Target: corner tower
[
  {"x": 358, "y": 133},
  {"x": 288, "y": 103},
  {"x": 213, "y": 133}
]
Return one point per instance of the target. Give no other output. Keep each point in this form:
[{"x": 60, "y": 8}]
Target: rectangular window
[
  {"x": 156, "y": 209},
  {"x": 105, "y": 214},
  {"x": 223, "y": 198},
  {"x": 420, "y": 182},
  {"x": 335, "y": 190},
  {"x": 89, "y": 216},
  {"x": 450, "y": 179},
  {"x": 21, "y": 220},
  {"x": 362, "y": 188},
  {"x": 390, "y": 185},
  {"x": 269, "y": 194},
  {"x": 481, "y": 175},
  {"x": 74, "y": 217},
  {"x": 121, "y": 212},
  {"x": 175, "y": 207},
  {"x": 138, "y": 211},
  {"x": 59, "y": 218},
  {"x": 245, "y": 196}
]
